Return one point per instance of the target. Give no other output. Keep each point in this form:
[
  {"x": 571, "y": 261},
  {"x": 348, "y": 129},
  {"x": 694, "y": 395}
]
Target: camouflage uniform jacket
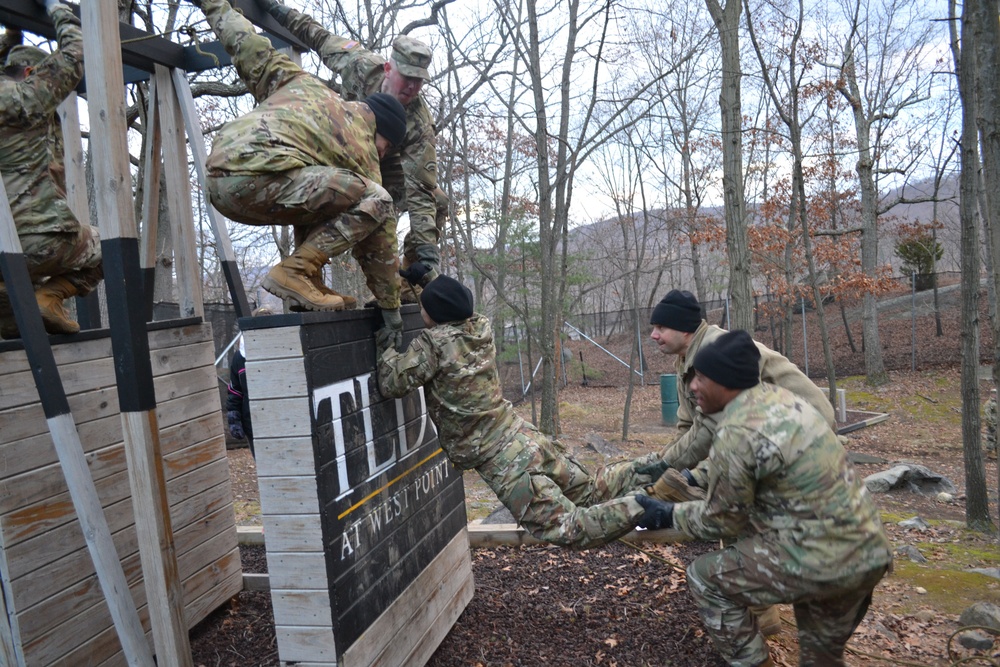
[
  {"x": 299, "y": 121},
  {"x": 697, "y": 428},
  {"x": 410, "y": 175},
  {"x": 455, "y": 363},
  {"x": 31, "y": 147},
  {"x": 778, "y": 469}
]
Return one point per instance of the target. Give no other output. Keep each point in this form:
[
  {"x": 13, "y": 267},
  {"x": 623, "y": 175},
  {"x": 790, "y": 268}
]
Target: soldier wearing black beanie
[
  {"x": 678, "y": 310},
  {"x": 446, "y": 300},
  {"x": 390, "y": 117},
  {"x": 732, "y": 360}
]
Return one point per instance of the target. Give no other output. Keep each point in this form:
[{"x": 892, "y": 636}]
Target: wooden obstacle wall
[
  {"x": 55, "y": 610},
  {"x": 364, "y": 516}
]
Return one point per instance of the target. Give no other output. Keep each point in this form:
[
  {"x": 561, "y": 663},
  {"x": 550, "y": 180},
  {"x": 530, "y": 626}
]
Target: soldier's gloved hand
[
  {"x": 429, "y": 255},
  {"x": 689, "y": 477},
  {"x": 390, "y": 335},
  {"x": 658, "y": 515},
  {"x": 416, "y": 273},
  {"x": 274, "y": 8},
  {"x": 235, "y": 424},
  {"x": 654, "y": 470}
]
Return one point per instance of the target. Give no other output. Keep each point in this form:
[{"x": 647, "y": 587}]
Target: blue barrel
[{"x": 668, "y": 398}]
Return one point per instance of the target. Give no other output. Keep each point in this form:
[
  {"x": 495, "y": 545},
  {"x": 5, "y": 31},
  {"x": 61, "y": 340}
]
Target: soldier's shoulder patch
[{"x": 351, "y": 45}]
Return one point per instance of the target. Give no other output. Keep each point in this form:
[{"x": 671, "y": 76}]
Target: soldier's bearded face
[
  {"x": 403, "y": 88},
  {"x": 670, "y": 341}
]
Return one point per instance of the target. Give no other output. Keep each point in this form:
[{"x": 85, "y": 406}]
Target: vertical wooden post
[
  {"x": 223, "y": 245},
  {"x": 88, "y": 308},
  {"x": 136, "y": 398},
  {"x": 81, "y": 487},
  {"x": 150, "y": 199},
  {"x": 179, "y": 196}
]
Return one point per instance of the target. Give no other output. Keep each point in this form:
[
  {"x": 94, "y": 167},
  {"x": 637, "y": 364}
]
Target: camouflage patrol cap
[
  {"x": 412, "y": 57},
  {"x": 22, "y": 56}
]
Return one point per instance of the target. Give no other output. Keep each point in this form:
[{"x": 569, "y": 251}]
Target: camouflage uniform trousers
[
  {"x": 331, "y": 208},
  {"x": 727, "y": 584},
  {"x": 75, "y": 256},
  {"x": 990, "y": 422},
  {"x": 555, "y": 499}
]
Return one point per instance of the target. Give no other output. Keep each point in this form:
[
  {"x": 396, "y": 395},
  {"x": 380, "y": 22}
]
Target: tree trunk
[
  {"x": 974, "y": 15},
  {"x": 727, "y": 24}
]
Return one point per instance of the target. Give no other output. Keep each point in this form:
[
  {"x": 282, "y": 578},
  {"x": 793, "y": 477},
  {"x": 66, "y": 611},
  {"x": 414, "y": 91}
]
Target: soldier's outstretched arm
[
  {"x": 54, "y": 77},
  {"x": 335, "y": 51},
  {"x": 261, "y": 67},
  {"x": 399, "y": 373}
]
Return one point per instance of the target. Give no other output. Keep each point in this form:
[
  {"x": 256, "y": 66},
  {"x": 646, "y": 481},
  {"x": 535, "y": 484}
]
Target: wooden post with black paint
[{"x": 122, "y": 276}]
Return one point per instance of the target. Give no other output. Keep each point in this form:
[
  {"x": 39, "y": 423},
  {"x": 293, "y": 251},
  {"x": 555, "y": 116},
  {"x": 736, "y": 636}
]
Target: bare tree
[
  {"x": 978, "y": 86},
  {"x": 881, "y": 76},
  {"x": 727, "y": 25}
]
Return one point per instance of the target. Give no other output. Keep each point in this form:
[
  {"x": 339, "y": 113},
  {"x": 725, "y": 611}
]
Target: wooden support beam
[
  {"x": 175, "y": 164},
  {"x": 223, "y": 245},
  {"x": 150, "y": 198},
  {"x": 130, "y": 343},
  {"x": 142, "y": 51},
  {"x": 81, "y": 487}
]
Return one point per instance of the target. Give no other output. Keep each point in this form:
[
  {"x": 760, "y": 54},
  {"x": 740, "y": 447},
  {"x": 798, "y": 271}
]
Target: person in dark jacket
[{"x": 237, "y": 397}]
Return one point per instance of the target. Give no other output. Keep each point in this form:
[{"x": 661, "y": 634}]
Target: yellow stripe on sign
[{"x": 387, "y": 485}]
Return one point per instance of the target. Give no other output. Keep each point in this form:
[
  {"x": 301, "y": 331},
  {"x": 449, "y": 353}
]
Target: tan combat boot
[
  {"x": 50, "y": 297},
  {"x": 769, "y": 620},
  {"x": 292, "y": 279},
  {"x": 350, "y": 303}
]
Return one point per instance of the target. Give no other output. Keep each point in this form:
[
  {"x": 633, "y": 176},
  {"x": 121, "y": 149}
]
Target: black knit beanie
[
  {"x": 446, "y": 300},
  {"x": 678, "y": 310},
  {"x": 732, "y": 360},
  {"x": 390, "y": 117}
]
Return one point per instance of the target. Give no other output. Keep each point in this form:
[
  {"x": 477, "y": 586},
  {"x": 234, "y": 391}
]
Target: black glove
[
  {"x": 416, "y": 273},
  {"x": 391, "y": 335},
  {"x": 654, "y": 470},
  {"x": 689, "y": 477},
  {"x": 659, "y": 515},
  {"x": 236, "y": 424},
  {"x": 274, "y": 8}
]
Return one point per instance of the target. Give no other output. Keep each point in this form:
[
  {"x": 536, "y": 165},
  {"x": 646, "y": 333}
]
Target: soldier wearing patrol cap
[
  {"x": 410, "y": 175},
  {"x": 63, "y": 256}
]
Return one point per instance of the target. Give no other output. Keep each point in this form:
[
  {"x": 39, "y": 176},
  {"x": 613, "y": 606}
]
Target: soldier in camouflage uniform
[
  {"x": 990, "y": 422},
  {"x": 808, "y": 532},
  {"x": 410, "y": 174},
  {"x": 63, "y": 256},
  {"x": 678, "y": 328},
  {"x": 549, "y": 494},
  {"x": 305, "y": 157}
]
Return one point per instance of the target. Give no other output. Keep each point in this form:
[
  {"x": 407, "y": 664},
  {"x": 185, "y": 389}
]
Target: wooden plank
[
  {"x": 293, "y": 533},
  {"x": 10, "y": 652},
  {"x": 14, "y": 361},
  {"x": 19, "y": 389},
  {"x": 281, "y": 343},
  {"x": 95, "y": 529},
  {"x": 276, "y": 378},
  {"x": 182, "y": 358},
  {"x": 34, "y": 582},
  {"x": 149, "y": 221},
  {"x": 298, "y": 644},
  {"x": 289, "y": 495},
  {"x": 278, "y": 457},
  {"x": 280, "y": 418},
  {"x": 181, "y": 90},
  {"x": 449, "y": 568},
  {"x": 302, "y": 607},
  {"x": 443, "y": 602},
  {"x": 297, "y": 570},
  {"x": 175, "y": 169}
]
